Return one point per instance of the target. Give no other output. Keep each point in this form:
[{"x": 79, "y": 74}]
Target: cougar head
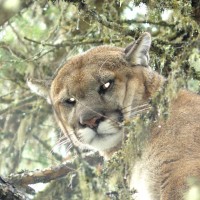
[{"x": 93, "y": 93}]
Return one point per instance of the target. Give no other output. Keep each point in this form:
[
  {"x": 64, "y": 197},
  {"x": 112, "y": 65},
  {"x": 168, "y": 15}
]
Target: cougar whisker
[
  {"x": 140, "y": 106},
  {"x": 60, "y": 144},
  {"x": 63, "y": 138},
  {"x": 137, "y": 111}
]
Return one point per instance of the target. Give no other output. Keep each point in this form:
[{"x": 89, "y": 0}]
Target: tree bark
[
  {"x": 8, "y": 192},
  {"x": 196, "y": 10}
]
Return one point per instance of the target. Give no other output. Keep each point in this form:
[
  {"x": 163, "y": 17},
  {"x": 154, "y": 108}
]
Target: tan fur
[
  {"x": 172, "y": 155},
  {"x": 94, "y": 119}
]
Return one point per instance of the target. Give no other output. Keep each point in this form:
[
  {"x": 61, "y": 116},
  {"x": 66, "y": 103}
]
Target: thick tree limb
[
  {"x": 46, "y": 175},
  {"x": 8, "y": 192},
  {"x": 41, "y": 176}
]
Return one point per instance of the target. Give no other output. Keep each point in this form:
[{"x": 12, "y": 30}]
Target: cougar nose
[{"x": 92, "y": 122}]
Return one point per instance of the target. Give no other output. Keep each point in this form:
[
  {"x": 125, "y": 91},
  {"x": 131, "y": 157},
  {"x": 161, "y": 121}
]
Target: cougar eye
[
  {"x": 70, "y": 101},
  {"x": 103, "y": 88},
  {"x": 106, "y": 85}
]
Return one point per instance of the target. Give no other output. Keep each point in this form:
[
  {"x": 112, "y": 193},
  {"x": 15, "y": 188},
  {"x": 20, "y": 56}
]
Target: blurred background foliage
[{"x": 36, "y": 37}]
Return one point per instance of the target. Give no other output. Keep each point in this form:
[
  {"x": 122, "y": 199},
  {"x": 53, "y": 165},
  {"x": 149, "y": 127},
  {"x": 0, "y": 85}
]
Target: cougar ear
[
  {"x": 137, "y": 53},
  {"x": 40, "y": 87}
]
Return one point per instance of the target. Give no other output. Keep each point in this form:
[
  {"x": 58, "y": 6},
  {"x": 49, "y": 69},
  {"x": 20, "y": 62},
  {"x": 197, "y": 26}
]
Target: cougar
[{"x": 96, "y": 91}]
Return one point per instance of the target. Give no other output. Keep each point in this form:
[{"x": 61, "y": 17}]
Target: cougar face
[
  {"x": 95, "y": 92},
  {"x": 89, "y": 107}
]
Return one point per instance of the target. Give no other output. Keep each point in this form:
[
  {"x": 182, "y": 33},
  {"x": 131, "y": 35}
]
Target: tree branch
[
  {"x": 160, "y": 23},
  {"x": 72, "y": 43},
  {"x": 41, "y": 176},
  {"x": 24, "y": 178},
  {"x": 7, "y": 192},
  {"x": 12, "y": 51},
  {"x": 102, "y": 20},
  {"x": 19, "y": 104},
  {"x": 46, "y": 175}
]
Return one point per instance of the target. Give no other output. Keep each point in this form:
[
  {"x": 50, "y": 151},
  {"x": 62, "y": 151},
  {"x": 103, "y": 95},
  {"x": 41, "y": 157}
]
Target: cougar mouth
[{"x": 106, "y": 135}]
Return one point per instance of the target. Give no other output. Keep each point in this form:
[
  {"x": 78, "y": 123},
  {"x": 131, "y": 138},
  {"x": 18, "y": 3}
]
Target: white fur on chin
[{"x": 106, "y": 137}]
